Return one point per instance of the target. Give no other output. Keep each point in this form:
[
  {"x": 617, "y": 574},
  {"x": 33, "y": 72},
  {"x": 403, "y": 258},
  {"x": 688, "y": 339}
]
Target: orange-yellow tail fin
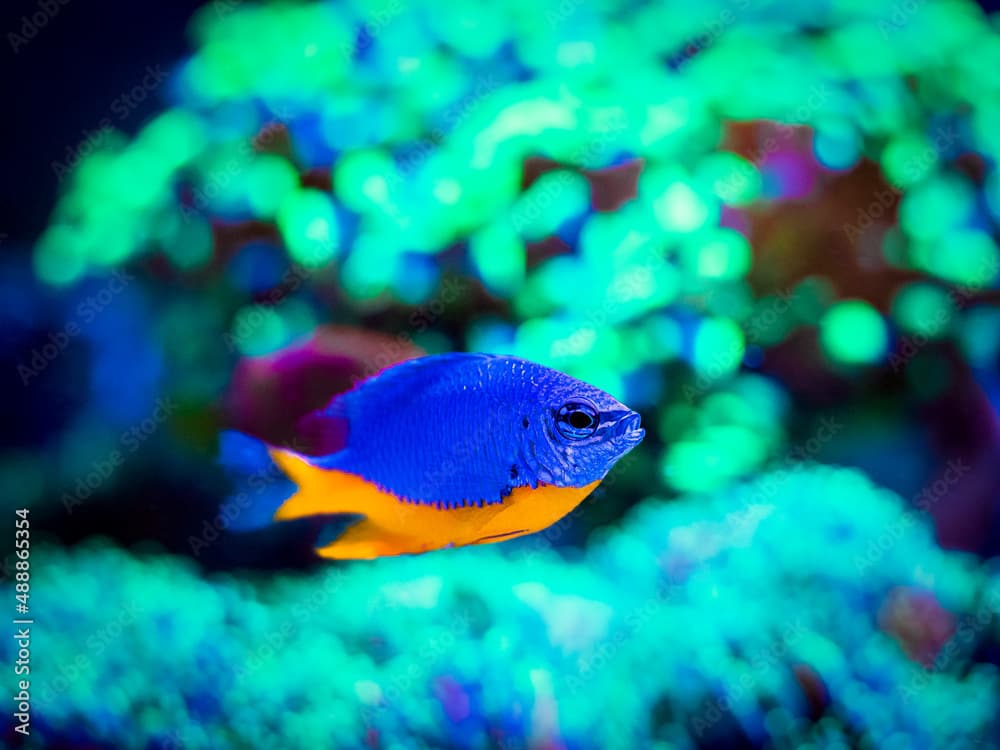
[
  {"x": 320, "y": 491},
  {"x": 273, "y": 484}
]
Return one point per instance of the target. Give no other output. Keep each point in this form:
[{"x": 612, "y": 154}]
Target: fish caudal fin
[
  {"x": 274, "y": 484},
  {"x": 366, "y": 540},
  {"x": 317, "y": 489}
]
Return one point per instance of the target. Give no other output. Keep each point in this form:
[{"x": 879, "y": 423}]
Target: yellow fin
[
  {"x": 320, "y": 492},
  {"x": 366, "y": 540},
  {"x": 394, "y": 527}
]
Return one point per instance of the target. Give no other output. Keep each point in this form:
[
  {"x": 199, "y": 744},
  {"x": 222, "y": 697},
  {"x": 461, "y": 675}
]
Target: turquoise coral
[{"x": 699, "y": 620}]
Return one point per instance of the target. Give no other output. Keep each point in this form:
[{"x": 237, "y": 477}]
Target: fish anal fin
[{"x": 366, "y": 540}]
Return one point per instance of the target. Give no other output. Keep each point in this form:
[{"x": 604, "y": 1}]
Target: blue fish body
[
  {"x": 461, "y": 429},
  {"x": 458, "y": 431}
]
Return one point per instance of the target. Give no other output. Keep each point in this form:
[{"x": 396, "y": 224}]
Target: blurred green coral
[
  {"x": 515, "y": 646},
  {"x": 717, "y": 435},
  {"x": 384, "y": 148}
]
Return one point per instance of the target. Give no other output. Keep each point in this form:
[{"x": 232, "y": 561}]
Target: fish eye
[{"x": 576, "y": 420}]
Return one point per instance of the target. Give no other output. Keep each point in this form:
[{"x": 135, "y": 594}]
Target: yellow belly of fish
[{"x": 393, "y": 527}]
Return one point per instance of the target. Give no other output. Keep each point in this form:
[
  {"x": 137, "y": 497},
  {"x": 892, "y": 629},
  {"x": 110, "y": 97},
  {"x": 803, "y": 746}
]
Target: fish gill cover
[{"x": 770, "y": 227}]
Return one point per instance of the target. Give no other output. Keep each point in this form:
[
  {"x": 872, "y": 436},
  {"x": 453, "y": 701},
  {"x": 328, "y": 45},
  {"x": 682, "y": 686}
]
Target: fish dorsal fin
[{"x": 420, "y": 370}]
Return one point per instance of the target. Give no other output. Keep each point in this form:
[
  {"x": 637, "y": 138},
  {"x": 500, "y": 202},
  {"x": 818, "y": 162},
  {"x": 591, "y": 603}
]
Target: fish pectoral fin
[{"x": 366, "y": 540}]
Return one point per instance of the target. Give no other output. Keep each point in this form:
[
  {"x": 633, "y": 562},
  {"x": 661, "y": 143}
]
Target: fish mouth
[{"x": 630, "y": 429}]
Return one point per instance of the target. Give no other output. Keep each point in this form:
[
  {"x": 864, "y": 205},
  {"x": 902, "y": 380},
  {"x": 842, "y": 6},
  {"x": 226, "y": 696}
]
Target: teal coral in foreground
[{"x": 699, "y": 623}]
